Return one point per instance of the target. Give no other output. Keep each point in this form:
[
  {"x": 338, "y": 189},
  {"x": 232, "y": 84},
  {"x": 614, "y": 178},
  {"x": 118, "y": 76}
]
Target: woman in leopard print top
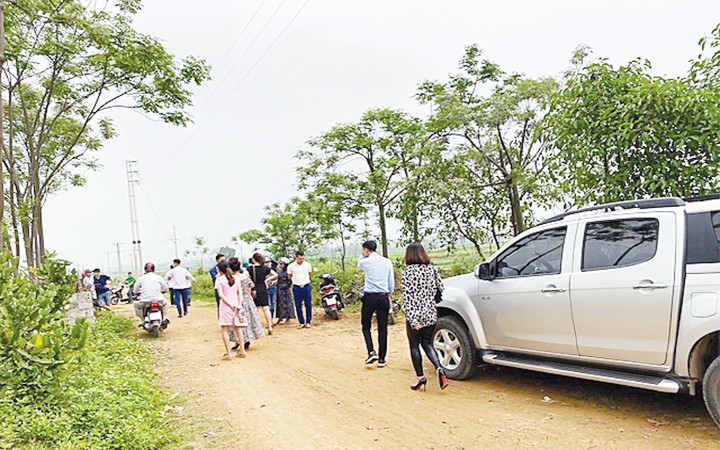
[{"x": 420, "y": 283}]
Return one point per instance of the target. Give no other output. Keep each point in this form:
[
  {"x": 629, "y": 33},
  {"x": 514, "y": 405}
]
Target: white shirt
[
  {"x": 179, "y": 278},
  {"x": 300, "y": 273},
  {"x": 151, "y": 286}
]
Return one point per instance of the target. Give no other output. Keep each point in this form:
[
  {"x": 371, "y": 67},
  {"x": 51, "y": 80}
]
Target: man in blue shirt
[
  {"x": 102, "y": 289},
  {"x": 377, "y": 290}
]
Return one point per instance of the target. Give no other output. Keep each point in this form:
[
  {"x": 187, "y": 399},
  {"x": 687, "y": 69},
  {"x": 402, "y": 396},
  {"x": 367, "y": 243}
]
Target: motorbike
[
  {"x": 330, "y": 295},
  {"x": 117, "y": 294},
  {"x": 153, "y": 320},
  {"x": 392, "y": 315}
]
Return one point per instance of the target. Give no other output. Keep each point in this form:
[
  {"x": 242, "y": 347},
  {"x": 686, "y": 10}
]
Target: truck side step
[{"x": 653, "y": 383}]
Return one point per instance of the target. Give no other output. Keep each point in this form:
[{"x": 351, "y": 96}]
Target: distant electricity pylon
[{"x": 133, "y": 179}]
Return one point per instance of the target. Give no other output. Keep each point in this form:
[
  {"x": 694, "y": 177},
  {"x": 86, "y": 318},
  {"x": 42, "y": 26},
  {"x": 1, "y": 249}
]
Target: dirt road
[{"x": 310, "y": 389}]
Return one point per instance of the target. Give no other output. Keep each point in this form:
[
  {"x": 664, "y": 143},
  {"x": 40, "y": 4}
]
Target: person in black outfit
[
  {"x": 422, "y": 288},
  {"x": 260, "y": 276}
]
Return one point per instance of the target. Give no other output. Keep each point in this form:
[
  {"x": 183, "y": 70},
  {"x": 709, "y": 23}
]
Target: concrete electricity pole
[
  {"x": 132, "y": 178},
  {"x": 175, "y": 241},
  {"x": 117, "y": 248}
]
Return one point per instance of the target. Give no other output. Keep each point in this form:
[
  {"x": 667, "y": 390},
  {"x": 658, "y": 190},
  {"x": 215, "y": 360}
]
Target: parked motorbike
[
  {"x": 330, "y": 295},
  {"x": 117, "y": 294},
  {"x": 392, "y": 315},
  {"x": 153, "y": 320}
]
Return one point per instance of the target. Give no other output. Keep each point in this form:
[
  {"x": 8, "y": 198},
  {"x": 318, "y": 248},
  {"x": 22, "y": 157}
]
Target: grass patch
[{"x": 110, "y": 401}]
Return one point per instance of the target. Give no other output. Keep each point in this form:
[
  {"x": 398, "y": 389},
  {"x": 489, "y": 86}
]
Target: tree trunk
[
  {"x": 383, "y": 229},
  {"x": 13, "y": 200},
  {"x": 343, "y": 251},
  {"x": 518, "y": 222},
  {"x": 2, "y": 139},
  {"x": 39, "y": 233},
  {"x": 28, "y": 242}
]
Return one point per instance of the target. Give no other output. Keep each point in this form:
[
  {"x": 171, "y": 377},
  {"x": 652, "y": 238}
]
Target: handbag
[{"x": 240, "y": 320}]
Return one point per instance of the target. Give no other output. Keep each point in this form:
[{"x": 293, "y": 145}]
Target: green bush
[
  {"x": 203, "y": 287},
  {"x": 37, "y": 347},
  {"x": 110, "y": 401}
]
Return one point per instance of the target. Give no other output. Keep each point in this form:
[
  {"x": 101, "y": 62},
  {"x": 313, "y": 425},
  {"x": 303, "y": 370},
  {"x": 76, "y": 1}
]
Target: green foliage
[
  {"x": 289, "y": 227},
  {"x": 68, "y": 64},
  {"x": 622, "y": 134},
  {"x": 58, "y": 273},
  {"x": 487, "y": 166},
  {"x": 37, "y": 347},
  {"x": 108, "y": 402},
  {"x": 203, "y": 287},
  {"x": 376, "y": 153}
]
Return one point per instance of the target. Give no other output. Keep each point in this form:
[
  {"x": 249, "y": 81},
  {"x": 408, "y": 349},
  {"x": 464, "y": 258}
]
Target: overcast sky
[{"x": 335, "y": 60}]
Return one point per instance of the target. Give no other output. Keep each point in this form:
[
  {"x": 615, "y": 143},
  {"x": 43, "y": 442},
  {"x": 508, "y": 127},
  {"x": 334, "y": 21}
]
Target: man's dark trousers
[{"x": 371, "y": 303}]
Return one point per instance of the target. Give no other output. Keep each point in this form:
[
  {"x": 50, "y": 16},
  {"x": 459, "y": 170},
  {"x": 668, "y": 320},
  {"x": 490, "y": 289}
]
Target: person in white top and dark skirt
[{"x": 422, "y": 287}]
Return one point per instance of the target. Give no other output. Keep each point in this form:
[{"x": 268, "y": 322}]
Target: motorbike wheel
[
  {"x": 334, "y": 314},
  {"x": 115, "y": 299},
  {"x": 391, "y": 318},
  {"x": 155, "y": 330}
]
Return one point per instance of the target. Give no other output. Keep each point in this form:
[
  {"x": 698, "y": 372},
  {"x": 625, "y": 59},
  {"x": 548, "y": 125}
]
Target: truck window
[
  {"x": 618, "y": 243},
  {"x": 536, "y": 254},
  {"x": 703, "y": 237}
]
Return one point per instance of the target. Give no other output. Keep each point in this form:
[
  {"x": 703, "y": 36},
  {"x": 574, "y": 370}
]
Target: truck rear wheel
[
  {"x": 711, "y": 390},
  {"x": 455, "y": 348}
]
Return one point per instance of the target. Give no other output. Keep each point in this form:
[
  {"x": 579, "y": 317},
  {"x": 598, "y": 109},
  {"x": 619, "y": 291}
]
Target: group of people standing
[{"x": 242, "y": 292}]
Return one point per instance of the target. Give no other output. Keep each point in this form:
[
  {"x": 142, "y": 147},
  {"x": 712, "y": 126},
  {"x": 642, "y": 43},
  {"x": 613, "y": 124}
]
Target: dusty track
[{"x": 309, "y": 389}]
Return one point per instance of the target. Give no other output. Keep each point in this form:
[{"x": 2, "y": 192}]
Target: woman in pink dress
[{"x": 228, "y": 288}]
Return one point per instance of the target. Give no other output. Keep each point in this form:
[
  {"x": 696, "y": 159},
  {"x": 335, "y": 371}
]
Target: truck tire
[
  {"x": 711, "y": 390},
  {"x": 455, "y": 348}
]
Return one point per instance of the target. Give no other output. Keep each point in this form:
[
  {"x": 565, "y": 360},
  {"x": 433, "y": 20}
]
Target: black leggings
[{"x": 422, "y": 337}]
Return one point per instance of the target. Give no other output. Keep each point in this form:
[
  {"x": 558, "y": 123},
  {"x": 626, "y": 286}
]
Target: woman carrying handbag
[{"x": 422, "y": 288}]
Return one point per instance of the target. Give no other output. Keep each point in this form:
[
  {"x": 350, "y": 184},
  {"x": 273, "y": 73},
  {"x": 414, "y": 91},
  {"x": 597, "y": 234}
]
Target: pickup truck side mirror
[{"x": 482, "y": 271}]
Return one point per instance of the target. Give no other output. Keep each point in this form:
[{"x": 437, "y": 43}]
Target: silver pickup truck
[{"x": 624, "y": 293}]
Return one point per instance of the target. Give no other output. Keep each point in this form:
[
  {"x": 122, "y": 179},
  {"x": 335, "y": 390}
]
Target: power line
[
  {"x": 237, "y": 61},
  {"x": 214, "y": 69},
  {"x": 240, "y": 82}
]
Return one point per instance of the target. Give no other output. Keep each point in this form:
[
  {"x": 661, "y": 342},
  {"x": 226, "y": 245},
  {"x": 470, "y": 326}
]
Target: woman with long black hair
[
  {"x": 421, "y": 285},
  {"x": 261, "y": 275}
]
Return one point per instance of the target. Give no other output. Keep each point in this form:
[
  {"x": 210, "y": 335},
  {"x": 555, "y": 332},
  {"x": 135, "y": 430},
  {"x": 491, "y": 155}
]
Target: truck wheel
[
  {"x": 334, "y": 314},
  {"x": 711, "y": 390},
  {"x": 455, "y": 348}
]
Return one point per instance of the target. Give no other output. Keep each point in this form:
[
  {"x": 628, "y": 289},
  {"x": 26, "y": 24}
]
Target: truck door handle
[
  {"x": 650, "y": 286},
  {"x": 552, "y": 290}
]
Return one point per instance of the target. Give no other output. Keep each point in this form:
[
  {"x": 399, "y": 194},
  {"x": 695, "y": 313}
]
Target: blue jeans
[
  {"x": 272, "y": 296},
  {"x": 182, "y": 300},
  {"x": 105, "y": 298},
  {"x": 303, "y": 295}
]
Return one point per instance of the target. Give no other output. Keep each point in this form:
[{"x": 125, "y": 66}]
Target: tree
[
  {"x": 199, "y": 251},
  {"x": 337, "y": 197},
  {"x": 622, "y": 133},
  {"x": 69, "y": 64},
  {"x": 374, "y": 149},
  {"x": 287, "y": 228},
  {"x": 497, "y": 132}
]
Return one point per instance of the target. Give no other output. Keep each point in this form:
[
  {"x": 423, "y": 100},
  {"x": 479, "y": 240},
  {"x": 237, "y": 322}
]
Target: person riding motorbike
[{"x": 150, "y": 288}]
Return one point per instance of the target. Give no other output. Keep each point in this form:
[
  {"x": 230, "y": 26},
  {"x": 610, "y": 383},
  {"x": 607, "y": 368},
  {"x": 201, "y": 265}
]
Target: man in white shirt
[
  {"x": 180, "y": 281},
  {"x": 299, "y": 273},
  {"x": 150, "y": 288}
]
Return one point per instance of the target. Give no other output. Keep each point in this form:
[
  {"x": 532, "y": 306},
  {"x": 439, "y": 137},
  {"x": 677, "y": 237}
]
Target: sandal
[
  {"x": 226, "y": 357},
  {"x": 302, "y": 325},
  {"x": 241, "y": 355},
  {"x": 269, "y": 330}
]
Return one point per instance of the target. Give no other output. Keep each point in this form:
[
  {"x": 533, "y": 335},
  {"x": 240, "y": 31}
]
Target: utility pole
[
  {"x": 132, "y": 178},
  {"x": 117, "y": 248},
  {"x": 175, "y": 241}
]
